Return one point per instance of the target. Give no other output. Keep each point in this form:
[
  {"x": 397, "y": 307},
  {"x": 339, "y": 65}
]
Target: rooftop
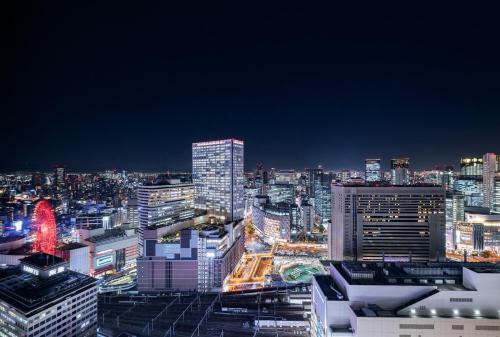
[
  {"x": 325, "y": 282},
  {"x": 443, "y": 275},
  {"x": 11, "y": 238},
  {"x": 113, "y": 234},
  {"x": 42, "y": 260},
  {"x": 29, "y": 293},
  {"x": 71, "y": 246}
]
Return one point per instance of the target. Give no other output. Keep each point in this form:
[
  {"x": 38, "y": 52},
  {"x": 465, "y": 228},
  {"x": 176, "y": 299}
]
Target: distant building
[
  {"x": 312, "y": 176},
  {"x": 218, "y": 178},
  {"x": 495, "y": 199},
  {"x": 42, "y": 297},
  {"x": 196, "y": 259},
  {"x": 406, "y": 299},
  {"x": 106, "y": 218},
  {"x": 491, "y": 169},
  {"x": 59, "y": 175},
  {"x": 372, "y": 170},
  {"x": 307, "y": 217},
  {"x": 133, "y": 212},
  {"x": 400, "y": 171},
  {"x": 470, "y": 181},
  {"x": 281, "y": 192},
  {"x": 471, "y": 167},
  {"x": 375, "y": 223},
  {"x": 477, "y": 232},
  {"x": 455, "y": 212}
]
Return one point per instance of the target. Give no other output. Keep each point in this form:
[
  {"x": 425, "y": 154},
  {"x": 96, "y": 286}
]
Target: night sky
[{"x": 99, "y": 86}]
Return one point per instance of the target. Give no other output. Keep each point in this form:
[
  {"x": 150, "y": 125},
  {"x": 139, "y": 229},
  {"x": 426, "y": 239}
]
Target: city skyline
[{"x": 133, "y": 87}]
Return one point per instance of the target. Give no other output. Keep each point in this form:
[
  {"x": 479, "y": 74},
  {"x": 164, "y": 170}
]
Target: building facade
[
  {"x": 195, "y": 259},
  {"x": 42, "y": 297},
  {"x": 218, "y": 178},
  {"x": 491, "y": 169},
  {"x": 372, "y": 170},
  {"x": 375, "y": 223},
  {"x": 400, "y": 171},
  {"x": 163, "y": 204}
]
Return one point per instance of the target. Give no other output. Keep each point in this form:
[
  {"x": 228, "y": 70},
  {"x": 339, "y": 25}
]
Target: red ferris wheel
[{"x": 44, "y": 226}]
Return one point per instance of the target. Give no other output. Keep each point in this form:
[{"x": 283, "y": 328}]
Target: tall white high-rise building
[
  {"x": 218, "y": 177},
  {"x": 490, "y": 169}
]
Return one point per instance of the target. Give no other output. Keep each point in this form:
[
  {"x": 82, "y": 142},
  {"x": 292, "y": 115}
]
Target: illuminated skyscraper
[
  {"x": 495, "y": 199},
  {"x": 471, "y": 167},
  {"x": 372, "y": 170},
  {"x": 400, "y": 171},
  {"x": 218, "y": 177},
  {"x": 491, "y": 163},
  {"x": 59, "y": 175},
  {"x": 470, "y": 181}
]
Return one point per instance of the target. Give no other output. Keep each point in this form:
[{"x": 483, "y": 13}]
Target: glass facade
[
  {"x": 218, "y": 178},
  {"x": 400, "y": 171},
  {"x": 372, "y": 170}
]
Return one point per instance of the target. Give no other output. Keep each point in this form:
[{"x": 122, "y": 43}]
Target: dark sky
[{"x": 96, "y": 86}]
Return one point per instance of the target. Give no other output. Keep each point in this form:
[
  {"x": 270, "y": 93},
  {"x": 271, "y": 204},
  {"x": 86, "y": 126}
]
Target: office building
[
  {"x": 307, "y": 217},
  {"x": 375, "y": 223},
  {"x": 372, "y": 170},
  {"x": 59, "y": 175},
  {"x": 477, "y": 232},
  {"x": 133, "y": 212},
  {"x": 471, "y": 166},
  {"x": 281, "y": 193},
  {"x": 495, "y": 199},
  {"x": 491, "y": 169},
  {"x": 406, "y": 300},
  {"x": 250, "y": 194},
  {"x": 400, "y": 171},
  {"x": 455, "y": 213},
  {"x": 106, "y": 218},
  {"x": 199, "y": 258},
  {"x": 163, "y": 204},
  {"x": 42, "y": 297},
  {"x": 218, "y": 178},
  {"x": 312, "y": 176}
]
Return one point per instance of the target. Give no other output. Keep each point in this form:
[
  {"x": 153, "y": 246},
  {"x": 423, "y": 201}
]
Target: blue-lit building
[{"x": 372, "y": 170}]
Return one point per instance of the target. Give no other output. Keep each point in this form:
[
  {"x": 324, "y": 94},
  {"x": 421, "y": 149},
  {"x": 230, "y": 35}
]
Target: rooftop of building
[
  {"x": 112, "y": 234},
  {"x": 71, "y": 246},
  {"x": 41, "y": 260},
  {"x": 28, "y": 293},
  {"x": 443, "y": 275},
  {"x": 327, "y": 286},
  {"x": 384, "y": 184},
  {"x": 11, "y": 238}
]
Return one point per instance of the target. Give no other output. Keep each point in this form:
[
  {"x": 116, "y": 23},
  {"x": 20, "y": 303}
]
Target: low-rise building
[
  {"x": 198, "y": 258},
  {"x": 110, "y": 250},
  {"x": 42, "y": 297},
  {"x": 275, "y": 222}
]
